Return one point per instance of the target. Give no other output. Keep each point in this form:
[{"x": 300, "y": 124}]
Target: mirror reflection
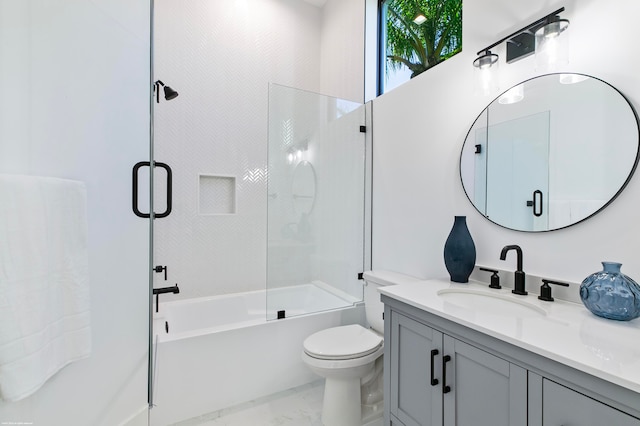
[
  {"x": 303, "y": 188},
  {"x": 550, "y": 152}
]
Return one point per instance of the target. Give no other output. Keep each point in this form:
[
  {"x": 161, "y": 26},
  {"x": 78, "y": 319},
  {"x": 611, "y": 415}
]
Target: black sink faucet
[{"x": 518, "y": 286}]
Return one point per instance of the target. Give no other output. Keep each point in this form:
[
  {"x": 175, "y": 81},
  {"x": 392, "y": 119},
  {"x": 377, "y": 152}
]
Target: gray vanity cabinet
[
  {"x": 436, "y": 379},
  {"x": 564, "y": 406},
  {"x": 485, "y": 389},
  {"x": 414, "y": 400},
  {"x": 492, "y": 383}
]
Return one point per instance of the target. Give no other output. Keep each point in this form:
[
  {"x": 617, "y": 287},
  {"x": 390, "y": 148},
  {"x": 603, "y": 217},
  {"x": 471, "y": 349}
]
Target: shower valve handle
[{"x": 160, "y": 269}]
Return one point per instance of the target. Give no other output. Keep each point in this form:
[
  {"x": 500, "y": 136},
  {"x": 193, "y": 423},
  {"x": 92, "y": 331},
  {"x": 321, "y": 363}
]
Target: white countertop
[{"x": 566, "y": 332}]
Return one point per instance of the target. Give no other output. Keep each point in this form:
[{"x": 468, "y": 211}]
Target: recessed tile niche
[{"x": 216, "y": 194}]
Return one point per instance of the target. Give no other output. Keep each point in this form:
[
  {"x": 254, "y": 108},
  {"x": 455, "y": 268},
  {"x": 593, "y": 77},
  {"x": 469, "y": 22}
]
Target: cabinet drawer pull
[
  {"x": 445, "y": 387},
  {"x": 434, "y": 352}
]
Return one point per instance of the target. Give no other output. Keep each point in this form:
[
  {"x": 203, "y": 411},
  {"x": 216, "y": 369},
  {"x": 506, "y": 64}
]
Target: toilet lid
[{"x": 346, "y": 342}]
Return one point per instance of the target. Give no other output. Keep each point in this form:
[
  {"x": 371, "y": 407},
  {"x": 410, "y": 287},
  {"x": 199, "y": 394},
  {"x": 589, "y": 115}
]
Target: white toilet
[{"x": 350, "y": 359}]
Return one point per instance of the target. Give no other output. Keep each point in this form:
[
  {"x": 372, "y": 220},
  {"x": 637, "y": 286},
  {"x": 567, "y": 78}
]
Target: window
[{"x": 417, "y": 34}]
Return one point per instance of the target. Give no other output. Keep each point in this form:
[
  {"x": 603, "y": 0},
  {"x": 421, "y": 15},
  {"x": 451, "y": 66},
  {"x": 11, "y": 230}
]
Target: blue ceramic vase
[
  {"x": 611, "y": 294},
  {"x": 459, "y": 251}
]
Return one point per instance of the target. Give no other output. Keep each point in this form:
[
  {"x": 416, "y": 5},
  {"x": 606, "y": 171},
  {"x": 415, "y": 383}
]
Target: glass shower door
[
  {"x": 73, "y": 257},
  {"x": 518, "y": 172},
  {"x": 316, "y": 202}
]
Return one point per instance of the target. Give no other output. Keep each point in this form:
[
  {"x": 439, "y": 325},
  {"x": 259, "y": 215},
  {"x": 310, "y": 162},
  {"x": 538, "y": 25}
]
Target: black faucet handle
[
  {"x": 495, "y": 278},
  {"x": 159, "y": 269},
  {"x": 545, "y": 289}
]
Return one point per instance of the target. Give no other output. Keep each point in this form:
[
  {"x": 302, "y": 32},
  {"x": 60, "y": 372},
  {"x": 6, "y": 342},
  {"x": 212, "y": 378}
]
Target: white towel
[{"x": 44, "y": 281}]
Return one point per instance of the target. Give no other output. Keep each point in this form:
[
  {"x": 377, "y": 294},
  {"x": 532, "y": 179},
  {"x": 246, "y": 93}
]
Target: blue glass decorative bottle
[
  {"x": 459, "y": 251},
  {"x": 611, "y": 294}
]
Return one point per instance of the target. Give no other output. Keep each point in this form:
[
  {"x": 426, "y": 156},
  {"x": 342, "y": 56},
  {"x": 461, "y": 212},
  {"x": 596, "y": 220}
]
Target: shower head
[{"x": 169, "y": 93}]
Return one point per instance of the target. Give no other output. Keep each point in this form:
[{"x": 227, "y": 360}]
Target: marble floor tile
[
  {"x": 301, "y": 406},
  {"x": 296, "y": 407}
]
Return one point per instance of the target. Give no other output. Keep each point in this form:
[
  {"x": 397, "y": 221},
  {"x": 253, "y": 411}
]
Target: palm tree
[{"x": 419, "y": 47}]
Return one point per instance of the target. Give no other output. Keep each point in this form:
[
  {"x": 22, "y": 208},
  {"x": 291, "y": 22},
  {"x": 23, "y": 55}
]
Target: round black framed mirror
[{"x": 550, "y": 152}]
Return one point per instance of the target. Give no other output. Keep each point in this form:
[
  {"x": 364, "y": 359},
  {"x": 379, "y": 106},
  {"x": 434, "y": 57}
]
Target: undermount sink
[{"x": 494, "y": 304}]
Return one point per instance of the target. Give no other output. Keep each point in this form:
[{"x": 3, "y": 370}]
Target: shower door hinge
[
  {"x": 360, "y": 275},
  {"x": 363, "y": 129}
]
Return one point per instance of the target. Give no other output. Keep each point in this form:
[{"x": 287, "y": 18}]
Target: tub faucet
[
  {"x": 518, "y": 283},
  {"x": 158, "y": 291}
]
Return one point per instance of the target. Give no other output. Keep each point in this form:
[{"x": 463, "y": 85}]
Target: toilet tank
[{"x": 373, "y": 307}]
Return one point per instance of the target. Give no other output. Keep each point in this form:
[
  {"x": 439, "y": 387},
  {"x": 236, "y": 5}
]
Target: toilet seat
[{"x": 343, "y": 343}]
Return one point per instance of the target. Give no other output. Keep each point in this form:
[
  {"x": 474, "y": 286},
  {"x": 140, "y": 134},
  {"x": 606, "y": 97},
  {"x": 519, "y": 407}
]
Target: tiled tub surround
[
  {"x": 565, "y": 333},
  {"x": 222, "y": 351},
  {"x": 214, "y": 135}
]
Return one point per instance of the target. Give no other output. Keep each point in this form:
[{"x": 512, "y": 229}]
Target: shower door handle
[
  {"x": 134, "y": 189},
  {"x": 136, "y": 170},
  {"x": 167, "y": 211},
  {"x": 536, "y": 203}
]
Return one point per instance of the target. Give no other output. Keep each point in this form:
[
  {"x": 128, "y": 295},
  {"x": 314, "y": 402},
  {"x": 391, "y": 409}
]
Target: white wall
[
  {"x": 221, "y": 57},
  {"x": 419, "y": 129},
  {"x": 342, "y": 49},
  {"x": 74, "y": 75}
]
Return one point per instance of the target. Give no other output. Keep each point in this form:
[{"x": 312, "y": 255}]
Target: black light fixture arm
[{"x": 522, "y": 30}]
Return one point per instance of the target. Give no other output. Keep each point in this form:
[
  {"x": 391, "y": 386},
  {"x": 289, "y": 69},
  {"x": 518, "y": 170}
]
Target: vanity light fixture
[
  {"x": 552, "y": 26},
  {"x": 551, "y": 49},
  {"x": 483, "y": 67},
  {"x": 521, "y": 43},
  {"x": 486, "y": 60}
]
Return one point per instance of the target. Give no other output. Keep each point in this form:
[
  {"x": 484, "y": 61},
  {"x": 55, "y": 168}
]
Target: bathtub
[{"x": 216, "y": 352}]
